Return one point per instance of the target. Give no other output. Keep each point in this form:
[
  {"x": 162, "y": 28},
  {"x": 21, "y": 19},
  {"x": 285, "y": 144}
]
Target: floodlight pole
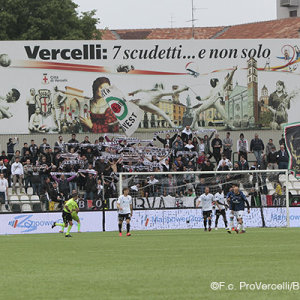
[
  {"x": 103, "y": 205},
  {"x": 287, "y": 198},
  {"x": 193, "y": 24},
  {"x": 120, "y": 183}
]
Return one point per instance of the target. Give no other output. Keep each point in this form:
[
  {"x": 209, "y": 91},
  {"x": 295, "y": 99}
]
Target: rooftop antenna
[
  {"x": 193, "y": 18},
  {"x": 171, "y": 21}
]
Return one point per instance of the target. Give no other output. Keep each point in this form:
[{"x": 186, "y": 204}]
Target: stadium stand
[{"x": 95, "y": 167}]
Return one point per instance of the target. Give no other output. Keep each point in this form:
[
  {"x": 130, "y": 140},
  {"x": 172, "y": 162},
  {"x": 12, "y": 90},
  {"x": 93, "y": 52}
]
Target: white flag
[{"x": 128, "y": 114}]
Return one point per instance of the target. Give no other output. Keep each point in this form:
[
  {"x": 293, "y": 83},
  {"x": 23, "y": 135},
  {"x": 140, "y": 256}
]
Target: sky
[{"x": 128, "y": 14}]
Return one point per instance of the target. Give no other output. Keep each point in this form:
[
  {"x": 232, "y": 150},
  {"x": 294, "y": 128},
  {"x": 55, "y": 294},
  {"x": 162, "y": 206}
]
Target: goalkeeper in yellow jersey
[{"x": 70, "y": 212}]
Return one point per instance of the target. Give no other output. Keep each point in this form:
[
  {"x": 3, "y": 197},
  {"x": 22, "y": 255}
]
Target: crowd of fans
[{"x": 53, "y": 172}]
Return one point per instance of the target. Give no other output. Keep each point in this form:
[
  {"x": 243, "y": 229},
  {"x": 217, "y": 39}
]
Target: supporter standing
[
  {"x": 90, "y": 187},
  {"x": 216, "y": 144},
  {"x": 282, "y": 158},
  {"x": 269, "y": 147},
  {"x": 45, "y": 189},
  {"x": 242, "y": 147},
  {"x": 282, "y": 141},
  {"x": 272, "y": 159},
  {"x": 55, "y": 196},
  {"x": 4, "y": 189},
  {"x": 35, "y": 179},
  {"x": 257, "y": 147},
  {"x": 227, "y": 146},
  {"x": 63, "y": 184},
  {"x": 60, "y": 144},
  {"x": 44, "y": 146},
  {"x": 186, "y": 134},
  {"x": 17, "y": 154},
  {"x": 3, "y": 156},
  {"x": 25, "y": 149},
  {"x": 73, "y": 140},
  {"x": 207, "y": 144},
  {"x": 17, "y": 173},
  {"x": 8, "y": 171},
  {"x": 27, "y": 174},
  {"x": 25, "y": 157},
  {"x": 10, "y": 147},
  {"x": 34, "y": 151},
  {"x": 189, "y": 146},
  {"x": 168, "y": 140},
  {"x": 201, "y": 145},
  {"x": 226, "y": 161},
  {"x": 243, "y": 164},
  {"x": 3, "y": 169}
]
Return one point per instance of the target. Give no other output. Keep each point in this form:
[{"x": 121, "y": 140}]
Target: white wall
[{"x": 284, "y": 12}]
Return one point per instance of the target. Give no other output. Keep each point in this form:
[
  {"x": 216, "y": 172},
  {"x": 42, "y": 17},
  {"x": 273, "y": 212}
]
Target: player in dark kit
[{"x": 237, "y": 201}]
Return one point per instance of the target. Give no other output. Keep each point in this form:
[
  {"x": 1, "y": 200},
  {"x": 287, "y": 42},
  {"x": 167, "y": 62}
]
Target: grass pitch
[{"x": 178, "y": 264}]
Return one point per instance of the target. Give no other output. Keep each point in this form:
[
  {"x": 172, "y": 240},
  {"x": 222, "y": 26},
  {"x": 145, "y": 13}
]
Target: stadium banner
[
  {"x": 41, "y": 222},
  {"x": 128, "y": 114},
  {"x": 175, "y": 219},
  {"x": 56, "y": 86},
  {"x": 276, "y": 216},
  {"x": 142, "y": 220},
  {"x": 158, "y": 202},
  {"x": 292, "y": 141}
]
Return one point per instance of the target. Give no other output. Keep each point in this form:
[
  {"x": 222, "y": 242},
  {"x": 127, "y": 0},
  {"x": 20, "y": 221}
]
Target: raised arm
[
  {"x": 212, "y": 134},
  {"x": 181, "y": 90},
  {"x": 174, "y": 93},
  {"x": 229, "y": 79},
  {"x": 55, "y": 178},
  {"x": 71, "y": 178},
  {"x": 160, "y": 139},
  {"x": 137, "y": 91}
]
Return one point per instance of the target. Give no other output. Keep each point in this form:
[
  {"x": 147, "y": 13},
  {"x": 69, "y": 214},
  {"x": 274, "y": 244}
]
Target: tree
[
  {"x": 46, "y": 20},
  {"x": 266, "y": 118}
]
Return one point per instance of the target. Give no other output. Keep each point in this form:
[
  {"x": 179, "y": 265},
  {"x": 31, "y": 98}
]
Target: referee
[{"x": 69, "y": 207}]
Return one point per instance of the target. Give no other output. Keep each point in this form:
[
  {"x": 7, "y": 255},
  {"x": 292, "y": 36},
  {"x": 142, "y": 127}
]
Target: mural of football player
[
  {"x": 148, "y": 99},
  {"x": 5, "y": 61},
  {"x": 279, "y": 103},
  {"x": 214, "y": 99},
  {"x": 11, "y": 97},
  {"x": 36, "y": 122},
  {"x": 58, "y": 100},
  {"x": 31, "y": 103},
  {"x": 102, "y": 119}
]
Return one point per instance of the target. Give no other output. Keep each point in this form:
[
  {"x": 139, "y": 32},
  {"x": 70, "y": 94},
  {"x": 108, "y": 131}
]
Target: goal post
[{"x": 267, "y": 191}]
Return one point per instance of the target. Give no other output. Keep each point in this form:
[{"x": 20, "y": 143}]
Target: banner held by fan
[
  {"x": 292, "y": 141},
  {"x": 127, "y": 113}
]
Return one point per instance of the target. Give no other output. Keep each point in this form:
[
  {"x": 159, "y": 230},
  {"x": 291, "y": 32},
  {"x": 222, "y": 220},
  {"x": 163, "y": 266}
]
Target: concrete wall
[{"x": 284, "y": 12}]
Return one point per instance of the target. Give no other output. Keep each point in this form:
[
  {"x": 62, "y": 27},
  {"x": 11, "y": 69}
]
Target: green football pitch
[{"x": 177, "y": 264}]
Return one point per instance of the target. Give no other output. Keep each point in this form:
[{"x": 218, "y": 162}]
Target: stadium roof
[{"x": 275, "y": 29}]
